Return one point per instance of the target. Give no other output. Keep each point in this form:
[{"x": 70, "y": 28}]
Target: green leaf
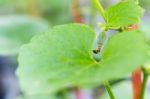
[
  {"x": 63, "y": 58},
  {"x": 122, "y": 54},
  {"x": 55, "y": 55},
  {"x": 125, "y": 13},
  {"x": 17, "y": 30}
]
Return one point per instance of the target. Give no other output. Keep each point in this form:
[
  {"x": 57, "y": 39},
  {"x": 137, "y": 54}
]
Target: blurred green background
[{"x": 20, "y": 20}]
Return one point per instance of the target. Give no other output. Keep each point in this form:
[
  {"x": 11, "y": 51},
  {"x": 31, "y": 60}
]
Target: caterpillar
[{"x": 98, "y": 49}]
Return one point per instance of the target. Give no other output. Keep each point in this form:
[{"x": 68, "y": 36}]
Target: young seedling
[{"x": 63, "y": 57}]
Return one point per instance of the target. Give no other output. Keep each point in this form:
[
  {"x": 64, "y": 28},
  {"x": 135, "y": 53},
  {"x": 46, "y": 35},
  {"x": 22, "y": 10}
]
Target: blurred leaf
[
  {"x": 15, "y": 31},
  {"x": 63, "y": 58},
  {"x": 58, "y": 12},
  {"x": 145, "y": 3},
  {"x": 54, "y": 4},
  {"x": 37, "y": 97},
  {"x": 11, "y": 5},
  {"x": 55, "y": 11},
  {"x": 145, "y": 26},
  {"x": 125, "y": 13}
]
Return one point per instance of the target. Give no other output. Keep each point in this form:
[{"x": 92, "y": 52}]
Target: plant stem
[
  {"x": 76, "y": 12},
  {"x": 109, "y": 90},
  {"x": 145, "y": 79},
  {"x": 100, "y": 8},
  {"x": 113, "y": 28},
  {"x": 136, "y": 83}
]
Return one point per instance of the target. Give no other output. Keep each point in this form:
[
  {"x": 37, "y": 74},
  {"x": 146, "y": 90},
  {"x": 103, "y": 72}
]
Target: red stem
[
  {"x": 137, "y": 83},
  {"x": 136, "y": 75},
  {"x": 76, "y": 12}
]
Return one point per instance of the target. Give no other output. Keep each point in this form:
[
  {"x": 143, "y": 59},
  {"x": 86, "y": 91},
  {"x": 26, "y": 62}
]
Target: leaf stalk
[
  {"x": 109, "y": 90},
  {"x": 145, "y": 79},
  {"x": 100, "y": 9}
]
